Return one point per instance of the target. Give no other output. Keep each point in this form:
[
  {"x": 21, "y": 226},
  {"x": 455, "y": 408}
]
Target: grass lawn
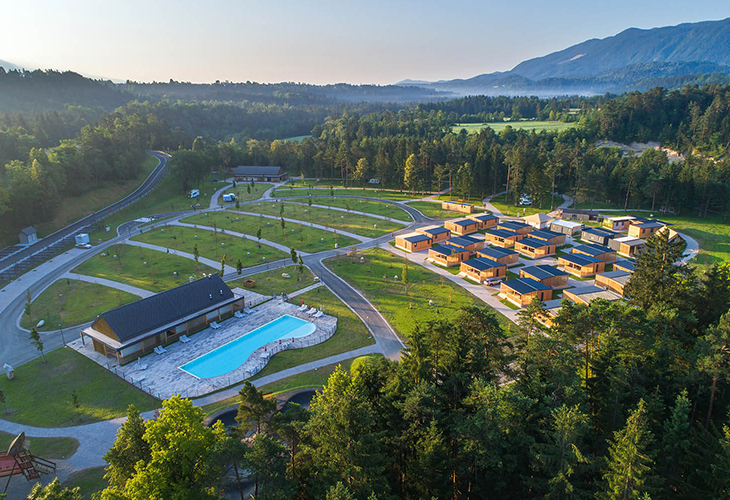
[
  {"x": 72, "y": 302},
  {"x": 242, "y": 192},
  {"x": 211, "y": 245},
  {"x": 304, "y": 238},
  {"x": 271, "y": 281},
  {"x": 521, "y": 211},
  {"x": 351, "y": 222},
  {"x": 50, "y": 448},
  {"x": 367, "y": 206},
  {"x": 537, "y": 126},
  {"x": 41, "y": 394},
  {"x": 509, "y": 304},
  {"x": 340, "y": 191},
  {"x": 375, "y": 279},
  {"x": 351, "y": 334},
  {"x": 433, "y": 209},
  {"x": 129, "y": 268},
  {"x": 311, "y": 378},
  {"x": 88, "y": 480}
]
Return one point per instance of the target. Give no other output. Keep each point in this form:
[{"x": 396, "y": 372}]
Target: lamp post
[{"x": 62, "y": 337}]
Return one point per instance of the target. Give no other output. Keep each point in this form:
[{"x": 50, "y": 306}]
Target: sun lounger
[
  {"x": 184, "y": 339},
  {"x": 214, "y": 325},
  {"x": 159, "y": 350},
  {"x": 141, "y": 366},
  {"x": 319, "y": 314},
  {"x": 303, "y": 308},
  {"x": 247, "y": 310},
  {"x": 311, "y": 311}
]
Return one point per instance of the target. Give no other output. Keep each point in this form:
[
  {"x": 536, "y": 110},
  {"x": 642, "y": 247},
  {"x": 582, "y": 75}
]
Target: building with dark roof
[
  {"x": 135, "y": 329},
  {"x": 534, "y": 248},
  {"x": 413, "y": 242},
  {"x": 455, "y": 206},
  {"x": 502, "y": 255},
  {"x": 485, "y": 221},
  {"x": 437, "y": 234},
  {"x": 627, "y": 246},
  {"x": 597, "y": 235},
  {"x": 645, "y": 228},
  {"x": 263, "y": 174},
  {"x": 606, "y": 254},
  {"x": 570, "y": 228},
  {"x": 481, "y": 269},
  {"x": 503, "y": 237},
  {"x": 556, "y": 239},
  {"x": 28, "y": 236},
  {"x": 581, "y": 265},
  {"x": 624, "y": 265},
  {"x": 579, "y": 215},
  {"x": 547, "y": 275},
  {"x": 614, "y": 280},
  {"x": 448, "y": 255},
  {"x": 468, "y": 242},
  {"x": 521, "y": 291},
  {"x": 585, "y": 294},
  {"x": 512, "y": 225},
  {"x": 462, "y": 226}
]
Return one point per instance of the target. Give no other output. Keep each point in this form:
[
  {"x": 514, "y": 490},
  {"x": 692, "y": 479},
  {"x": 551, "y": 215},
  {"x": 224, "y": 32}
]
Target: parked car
[{"x": 492, "y": 281}]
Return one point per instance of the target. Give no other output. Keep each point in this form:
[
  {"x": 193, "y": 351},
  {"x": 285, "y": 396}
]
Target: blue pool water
[{"x": 230, "y": 356}]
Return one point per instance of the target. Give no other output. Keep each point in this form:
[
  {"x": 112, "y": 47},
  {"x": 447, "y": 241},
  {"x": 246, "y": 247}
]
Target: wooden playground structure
[{"x": 19, "y": 460}]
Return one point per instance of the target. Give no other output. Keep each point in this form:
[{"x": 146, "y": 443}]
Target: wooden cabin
[
  {"x": 613, "y": 280},
  {"x": 500, "y": 255},
  {"x": 413, "y": 242},
  {"x": 467, "y": 242},
  {"x": 581, "y": 265},
  {"x": 462, "y": 226},
  {"x": 556, "y": 239},
  {"x": 624, "y": 265},
  {"x": 627, "y": 246},
  {"x": 521, "y": 291},
  {"x": 447, "y": 255},
  {"x": 567, "y": 227},
  {"x": 485, "y": 221},
  {"x": 597, "y": 235},
  {"x": 437, "y": 234},
  {"x": 547, "y": 275},
  {"x": 481, "y": 269},
  {"x": 606, "y": 254},
  {"x": 585, "y": 294},
  {"x": 502, "y": 237},
  {"x": 534, "y": 248},
  {"x": 518, "y": 227},
  {"x": 464, "y": 208}
]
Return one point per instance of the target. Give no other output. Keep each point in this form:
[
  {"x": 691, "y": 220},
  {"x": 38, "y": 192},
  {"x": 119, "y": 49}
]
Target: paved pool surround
[{"x": 163, "y": 378}]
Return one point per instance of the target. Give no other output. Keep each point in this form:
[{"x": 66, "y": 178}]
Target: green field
[
  {"x": 351, "y": 222},
  {"x": 375, "y": 279},
  {"x": 89, "y": 481},
  {"x": 51, "y": 448},
  {"x": 129, "y": 268},
  {"x": 271, "y": 281},
  {"x": 304, "y": 238},
  {"x": 324, "y": 191},
  {"x": 520, "y": 211},
  {"x": 537, "y": 126},
  {"x": 212, "y": 245},
  {"x": 241, "y": 192},
  {"x": 297, "y": 138},
  {"x": 351, "y": 334},
  {"x": 366, "y": 206},
  {"x": 71, "y": 302},
  {"x": 433, "y": 209},
  {"x": 41, "y": 394}
]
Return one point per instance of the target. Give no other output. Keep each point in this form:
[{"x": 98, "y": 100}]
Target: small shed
[
  {"x": 538, "y": 221},
  {"x": 520, "y": 291},
  {"x": 534, "y": 248},
  {"x": 501, "y": 255},
  {"x": 28, "y": 236},
  {"x": 571, "y": 228},
  {"x": 503, "y": 237},
  {"x": 481, "y": 269}
]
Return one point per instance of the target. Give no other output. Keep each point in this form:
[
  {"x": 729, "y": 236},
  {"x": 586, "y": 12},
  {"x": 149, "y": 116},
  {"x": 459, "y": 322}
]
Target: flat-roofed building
[
  {"x": 448, "y": 255},
  {"x": 552, "y": 310},
  {"x": 462, "y": 226},
  {"x": 627, "y": 245},
  {"x": 481, "y": 269},
  {"x": 568, "y": 227},
  {"x": 547, "y": 275},
  {"x": 470, "y": 243},
  {"x": 413, "y": 242},
  {"x": 597, "y": 235},
  {"x": 534, "y": 248},
  {"x": 645, "y": 228},
  {"x": 556, "y": 239},
  {"x": 613, "y": 280},
  {"x": 624, "y": 265},
  {"x": 606, "y": 254},
  {"x": 500, "y": 255},
  {"x": 485, "y": 221},
  {"x": 579, "y": 215},
  {"x": 521, "y": 291},
  {"x": 437, "y": 234},
  {"x": 258, "y": 173},
  {"x": 585, "y": 294},
  {"x": 512, "y": 225},
  {"x": 135, "y": 329},
  {"x": 454, "y": 206},
  {"x": 619, "y": 224},
  {"x": 538, "y": 220},
  {"x": 581, "y": 265},
  {"x": 503, "y": 237}
]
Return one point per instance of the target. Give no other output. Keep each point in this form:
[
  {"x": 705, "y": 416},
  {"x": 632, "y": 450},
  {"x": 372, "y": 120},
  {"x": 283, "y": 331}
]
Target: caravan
[{"x": 230, "y": 197}]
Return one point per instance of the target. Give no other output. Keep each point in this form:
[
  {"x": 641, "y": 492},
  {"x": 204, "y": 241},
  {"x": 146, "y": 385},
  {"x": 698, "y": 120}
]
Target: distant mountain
[
  {"x": 632, "y": 60},
  {"x": 9, "y": 66}
]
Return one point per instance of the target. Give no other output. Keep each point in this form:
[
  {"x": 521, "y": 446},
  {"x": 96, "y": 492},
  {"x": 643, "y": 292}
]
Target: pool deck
[{"x": 163, "y": 378}]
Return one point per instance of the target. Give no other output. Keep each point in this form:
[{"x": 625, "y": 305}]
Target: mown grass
[
  {"x": 433, "y": 209},
  {"x": 212, "y": 244},
  {"x": 351, "y": 334},
  {"x": 89, "y": 481},
  {"x": 129, "y": 268},
  {"x": 271, "y": 281},
  {"x": 340, "y": 191},
  {"x": 519, "y": 211},
  {"x": 376, "y": 280},
  {"x": 537, "y": 126},
  {"x": 54, "y": 448},
  {"x": 41, "y": 394},
  {"x": 244, "y": 192},
  {"x": 351, "y": 222},
  {"x": 70, "y": 302},
  {"x": 303, "y": 238},
  {"x": 366, "y": 206}
]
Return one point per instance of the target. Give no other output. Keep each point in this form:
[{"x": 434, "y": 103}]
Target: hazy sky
[{"x": 315, "y": 41}]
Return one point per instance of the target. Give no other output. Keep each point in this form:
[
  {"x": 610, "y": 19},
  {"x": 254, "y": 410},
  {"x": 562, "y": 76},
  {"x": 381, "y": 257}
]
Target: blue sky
[{"x": 315, "y": 41}]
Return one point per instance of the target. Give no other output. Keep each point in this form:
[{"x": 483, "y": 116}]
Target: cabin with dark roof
[
  {"x": 613, "y": 280},
  {"x": 485, "y": 221},
  {"x": 547, "y": 275},
  {"x": 566, "y": 227},
  {"x": 464, "y": 208},
  {"x": 597, "y": 235},
  {"x": 627, "y": 246},
  {"x": 518, "y": 227},
  {"x": 262, "y": 174},
  {"x": 521, "y": 291},
  {"x": 606, "y": 254},
  {"x": 500, "y": 255},
  {"x": 468, "y": 242},
  {"x": 581, "y": 265},
  {"x": 135, "y": 329},
  {"x": 624, "y": 265},
  {"x": 534, "y": 248},
  {"x": 437, "y": 234},
  {"x": 645, "y": 228},
  {"x": 413, "y": 242},
  {"x": 462, "y": 226},
  {"x": 481, "y": 269},
  {"x": 28, "y": 236},
  {"x": 585, "y": 294},
  {"x": 556, "y": 239},
  {"x": 448, "y": 255},
  {"x": 579, "y": 215},
  {"x": 503, "y": 237}
]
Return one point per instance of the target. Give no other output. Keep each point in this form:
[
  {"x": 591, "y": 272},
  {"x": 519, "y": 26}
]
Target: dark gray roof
[
  {"x": 600, "y": 232},
  {"x": 625, "y": 264},
  {"x": 545, "y": 233},
  {"x": 463, "y": 241},
  {"x": 593, "y": 249},
  {"x": 615, "y": 274},
  {"x": 447, "y": 249},
  {"x": 251, "y": 170},
  {"x": 580, "y": 259},
  {"x": 496, "y": 252},
  {"x": 504, "y": 233},
  {"x": 28, "y": 231},
  {"x": 579, "y": 211},
  {"x": 482, "y": 264},
  {"x": 513, "y": 225},
  {"x": 534, "y": 243},
  {"x": 464, "y": 222},
  {"x": 132, "y": 320},
  {"x": 525, "y": 285},
  {"x": 415, "y": 238},
  {"x": 543, "y": 272},
  {"x": 483, "y": 217},
  {"x": 436, "y": 230}
]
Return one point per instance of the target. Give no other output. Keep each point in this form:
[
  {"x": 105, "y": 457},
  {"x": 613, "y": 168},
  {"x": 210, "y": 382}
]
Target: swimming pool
[{"x": 230, "y": 356}]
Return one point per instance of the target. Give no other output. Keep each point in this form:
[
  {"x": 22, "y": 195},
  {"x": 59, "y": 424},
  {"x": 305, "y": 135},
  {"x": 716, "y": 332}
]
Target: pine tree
[
  {"x": 676, "y": 446},
  {"x": 196, "y": 253},
  {"x": 239, "y": 267},
  {"x": 629, "y": 468},
  {"x": 223, "y": 265},
  {"x": 715, "y": 357},
  {"x": 128, "y": 449},
  {"x": 254, "y": 411},
  {"x": 293, "y": 254}
]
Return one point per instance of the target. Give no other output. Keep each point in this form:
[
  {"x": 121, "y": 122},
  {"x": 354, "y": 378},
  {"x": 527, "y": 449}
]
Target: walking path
[
  {"x": 305, "y": 289},
  {"x": 304, "y": 223},
  {"x": 234, "y": 233},
  {"x": 492, "y": 208},
  {"x": 140, "y": 292},
  {"x": 357, "y": 212},
  {"x": 202, "y": 260}
]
